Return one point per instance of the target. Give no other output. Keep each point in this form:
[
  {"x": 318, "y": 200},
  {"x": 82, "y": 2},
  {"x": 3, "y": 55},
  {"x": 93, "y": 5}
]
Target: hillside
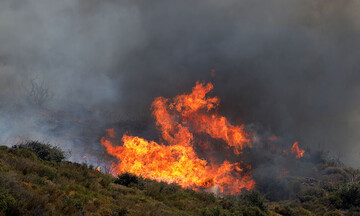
[{"x": 30, "y": 185}]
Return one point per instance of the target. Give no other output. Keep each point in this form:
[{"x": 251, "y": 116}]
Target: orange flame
[
  {"x": 212, "y": 73},
  {"x": 272, "y": 138},
  {"x": 285, "y": 171},
  {"x": 179, "y": 121},
  {"x": 296, "y": 150}
]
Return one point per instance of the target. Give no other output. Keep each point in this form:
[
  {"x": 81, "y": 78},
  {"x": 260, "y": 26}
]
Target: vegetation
[
  {"x": 35, "y": 180},
  {"x": 43, "y": 151}
]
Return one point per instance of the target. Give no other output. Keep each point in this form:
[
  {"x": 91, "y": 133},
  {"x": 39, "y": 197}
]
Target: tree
[{"x": 39, "y": 93}]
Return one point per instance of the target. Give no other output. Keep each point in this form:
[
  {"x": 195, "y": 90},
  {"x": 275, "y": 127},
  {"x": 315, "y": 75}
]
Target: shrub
[
  {"x": 216, "y": 211},
  {"x": 303, "y": 212},
  {"x": 155, "y": 190},
  {"x": 311, "y": 194},
  {"x": 6, "y": 201},
  {"x": 122, "y": 212},
  {"x": 105, "y": 181},
  {"x": 205, "y": 197},
  {"x": 126, "y": 179},
  {"x": 43, "y": 151},
  {"x": 350, "y": 195},
  {"x": 334, "y": 213},
  {"x": 253, "y": 198},
  {"x": 286, "y": 211},
  {"x": 276, "y": 189},
  {"x": 334, "y": 200},
  {"x": 72, "y": 205},
  {"x": 253, "y": 211}
]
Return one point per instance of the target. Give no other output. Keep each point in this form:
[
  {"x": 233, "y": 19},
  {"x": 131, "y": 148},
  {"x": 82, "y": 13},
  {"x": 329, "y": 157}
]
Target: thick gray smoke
[{"x": 290, "y": 66}]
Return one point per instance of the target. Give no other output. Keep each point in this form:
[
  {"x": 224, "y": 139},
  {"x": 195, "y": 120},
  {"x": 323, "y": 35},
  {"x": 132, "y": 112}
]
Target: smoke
[{"x": 289, "y": 66}]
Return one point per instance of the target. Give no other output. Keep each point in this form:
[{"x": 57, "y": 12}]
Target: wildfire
[
  {"x": 180, "y": 121},
  {"x": 296, "y": 150},
  {"x": 272, "y": 138}
]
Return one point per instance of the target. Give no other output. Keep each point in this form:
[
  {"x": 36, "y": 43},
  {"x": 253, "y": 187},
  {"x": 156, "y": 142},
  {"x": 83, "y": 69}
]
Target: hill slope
[{"x": 30, "y": 185}]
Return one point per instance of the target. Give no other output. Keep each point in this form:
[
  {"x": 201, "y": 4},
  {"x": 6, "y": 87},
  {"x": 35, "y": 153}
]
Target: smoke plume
[{"x": 289, "y": 66}]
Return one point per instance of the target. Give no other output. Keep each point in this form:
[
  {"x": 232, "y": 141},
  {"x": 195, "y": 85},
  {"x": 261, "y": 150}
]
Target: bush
[
  {"x": 311, "y": 194},
  {"x": 43, "y": 151},
  {"x": 286, "y": 211},
  {"x": 253, "y": 211},
  {"x": 122, "y": 212},
  {"x": 155, "y": 190},
  {"x": 253, "y": 198},
  {"x": 350, "y": 195},
  {"x": 334, "y": 213},
  {"x": 72, "y": 205},
  {"x": 335, "y": 201},
  {"x": 126, "y": 179},
  {"x": 216, "y": 211},
  {"x": 6, "y": 201},
  {"x": 105, "y": 181}
]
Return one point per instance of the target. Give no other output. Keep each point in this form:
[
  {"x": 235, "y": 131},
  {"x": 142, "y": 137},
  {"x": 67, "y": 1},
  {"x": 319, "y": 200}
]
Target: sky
[{"x": 289, "y": 67}]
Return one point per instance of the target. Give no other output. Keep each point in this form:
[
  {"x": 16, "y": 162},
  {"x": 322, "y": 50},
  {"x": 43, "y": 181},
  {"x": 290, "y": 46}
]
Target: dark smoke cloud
[{"x": 290, "y": 66}]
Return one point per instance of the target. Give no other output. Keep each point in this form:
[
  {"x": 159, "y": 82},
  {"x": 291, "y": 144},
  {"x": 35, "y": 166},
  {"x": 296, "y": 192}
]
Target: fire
[
  {"x": 212, "y": 73},
  {"x": 174, "y": 160},
  {"x": 272, "y": 138},
  {"x": 296, "y": 150},
  {"x": 285, "y": 171}
]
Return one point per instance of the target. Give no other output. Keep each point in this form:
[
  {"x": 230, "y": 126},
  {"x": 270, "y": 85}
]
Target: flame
[
  {"x": 212, "y": 73},
  {"x": 296, "y": 150},
  {"x": 285, "y": 171},
  {"x": 174, "y": 160},
  {"x": 272, "y": 138}
]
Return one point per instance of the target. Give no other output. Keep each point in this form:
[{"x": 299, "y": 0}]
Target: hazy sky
[{"x": 290, "y": 66}]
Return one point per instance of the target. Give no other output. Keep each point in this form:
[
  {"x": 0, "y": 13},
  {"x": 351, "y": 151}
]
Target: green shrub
[
  {"x": 72, "y": 205},
  {"x": 252, "y": 211},
  {"x": 334, "y": 200},
  {"x": 350, "y": 195},
  {"x": 253, "y": 198},
  {"x": 212, "y": 212},
  {"x": 126, "y": 179},
  {"x": 122, "y": 212},
  {"x": 205, "y": 197},
  {"x": 105, "y": 181},
  {"x": 334, "y": 213},
  {"x": 311, "y": 194},
  {"x": 285, "y": 211},
  {"x": 154, "y": 189},
  {"x": 49, "y": 173},
  {"x": 23, "y": 153},
  {"x": 171, "y": 188},
  {"x": 303, "y": 212},
  {"x": 43, "y": 151},
  {"x": 7, "y": 201}
]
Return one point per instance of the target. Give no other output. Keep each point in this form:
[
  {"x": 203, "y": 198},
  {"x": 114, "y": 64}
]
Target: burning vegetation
[
  {"x": 296, "y": 150},
  {"x": 189, "y": 126},
  {"x": 174, "y": 159},
  {"x": 35, "y": 180}
]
